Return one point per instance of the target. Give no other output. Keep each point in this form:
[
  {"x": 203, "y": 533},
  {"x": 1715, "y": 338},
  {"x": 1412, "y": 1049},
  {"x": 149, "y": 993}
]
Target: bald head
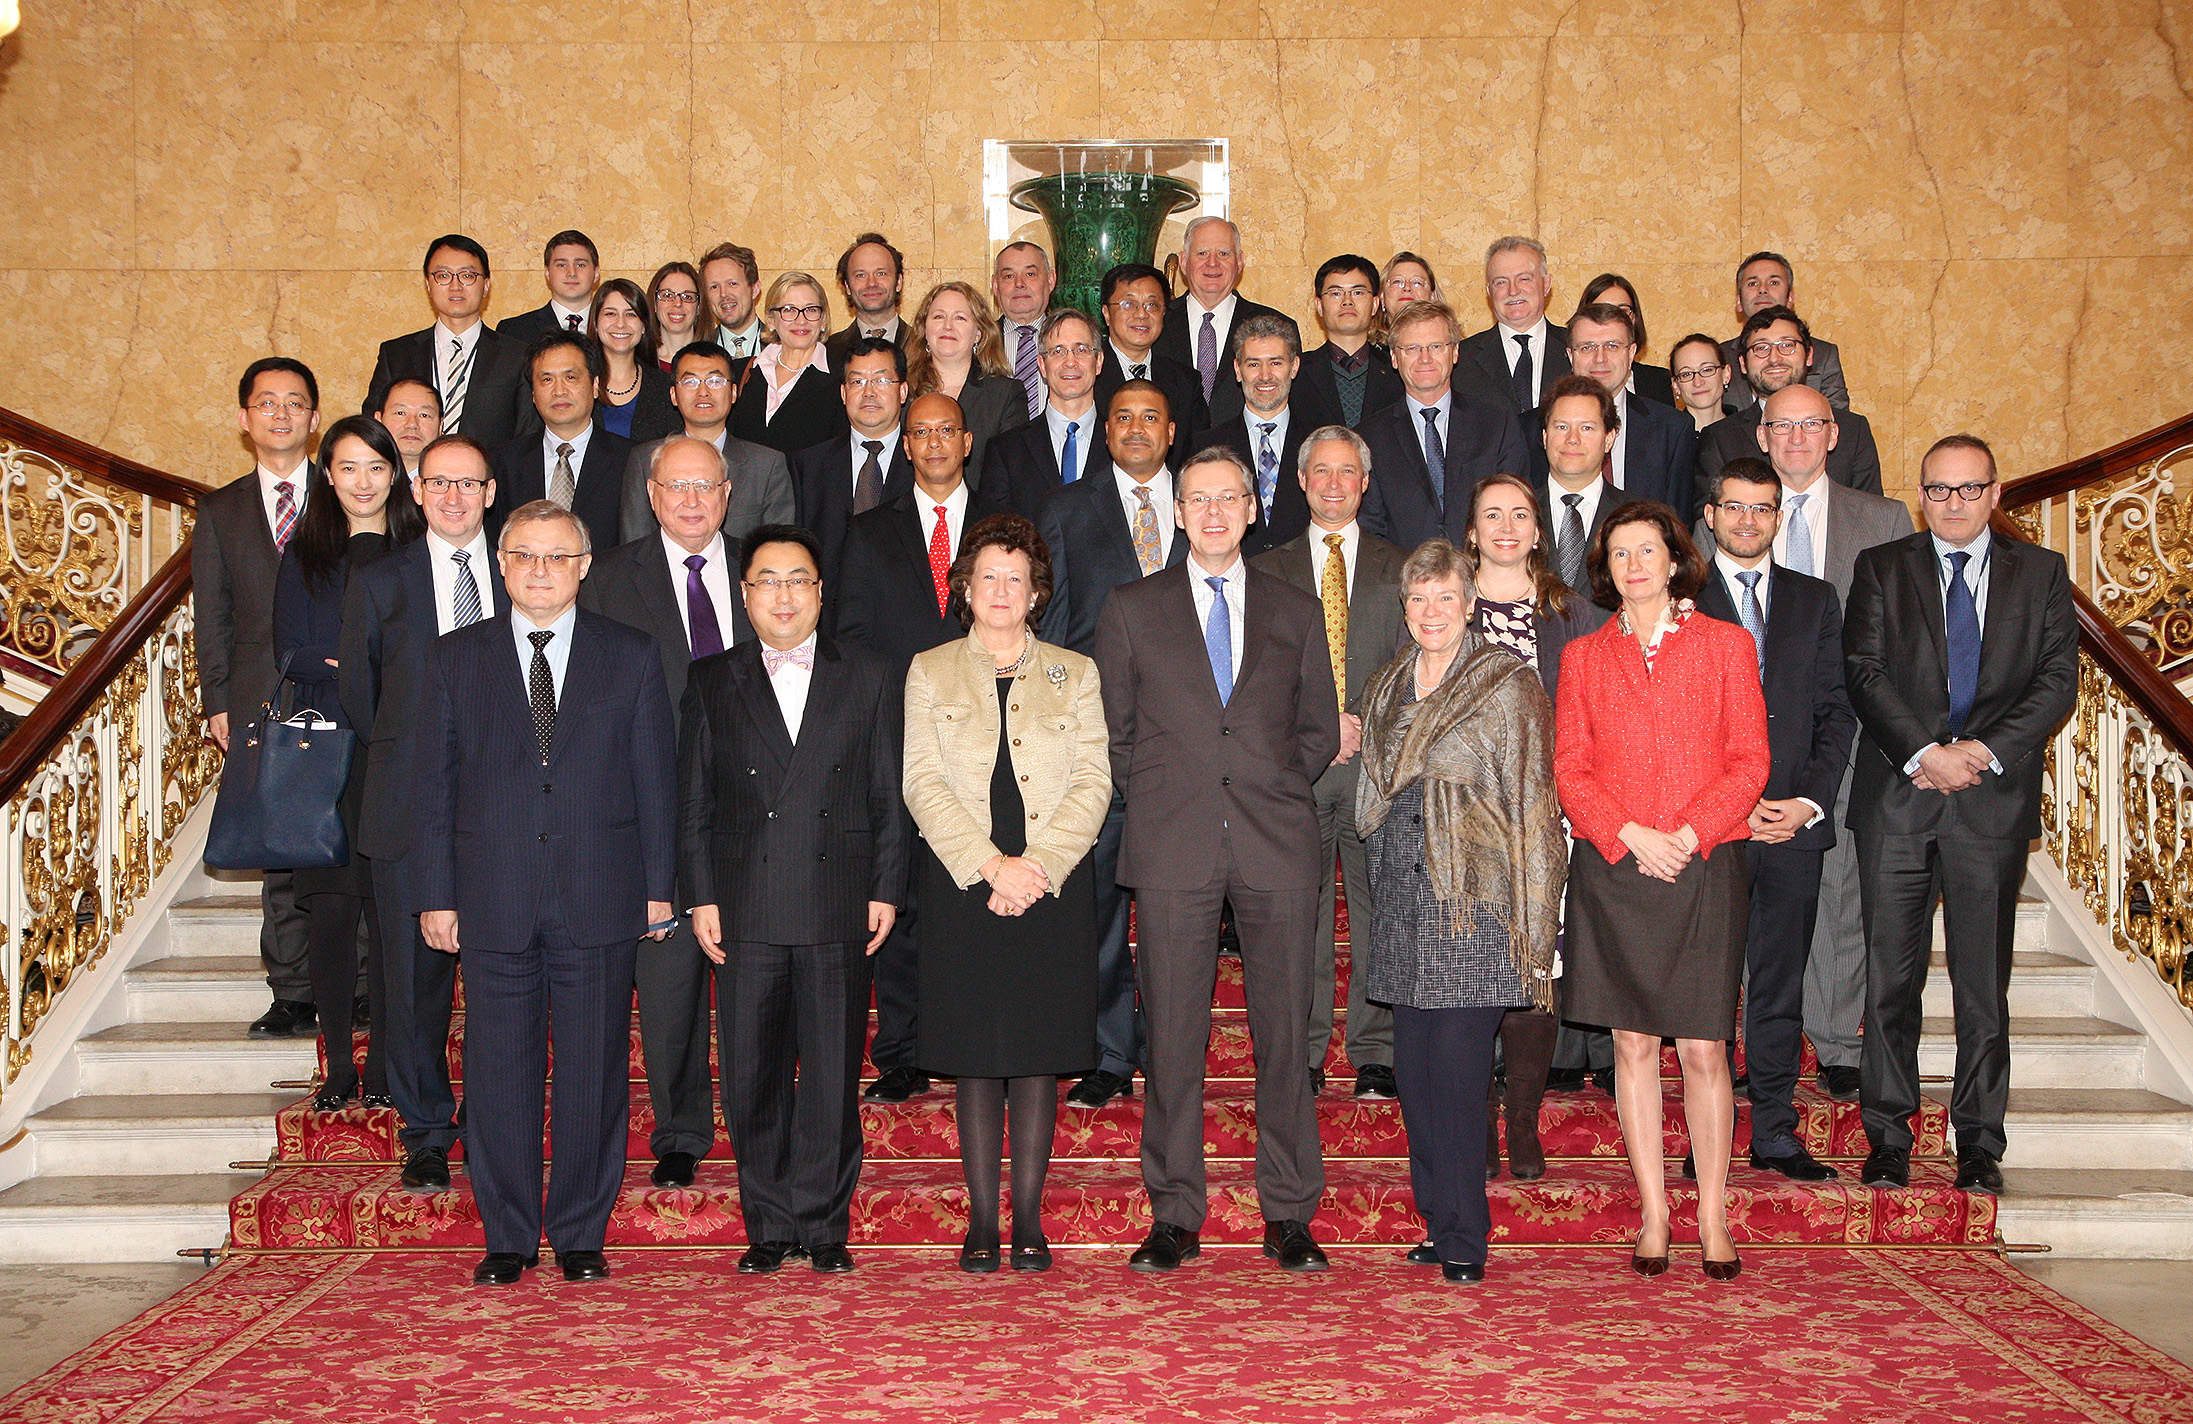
[
  {"x": 1796, "y": 430},
  {"x": 687, "y": 490},
  {"x": 938, "y": 442}
]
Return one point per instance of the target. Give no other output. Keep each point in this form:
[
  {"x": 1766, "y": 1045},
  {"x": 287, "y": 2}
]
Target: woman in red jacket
[{"x": 1660, "y": 752}]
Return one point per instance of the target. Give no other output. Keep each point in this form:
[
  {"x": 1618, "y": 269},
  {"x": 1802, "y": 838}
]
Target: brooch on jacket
[{"x": 1057, "y": 673}]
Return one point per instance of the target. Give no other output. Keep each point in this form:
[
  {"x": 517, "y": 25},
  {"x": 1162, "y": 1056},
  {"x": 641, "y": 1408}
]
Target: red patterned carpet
[{"x": 677, "y": 1337}]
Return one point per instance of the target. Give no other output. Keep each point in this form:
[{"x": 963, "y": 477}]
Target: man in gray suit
[
  {"x": 1218, "y": 693},
  {"x": 1356, "y": 578},
  {"x": 1765, "y": 279},
  {"x": 241, "y": 530},
  {"x": 701, "y": 386}
]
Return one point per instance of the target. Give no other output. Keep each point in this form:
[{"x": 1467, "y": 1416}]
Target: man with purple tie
[{"x": 677, "y": 585}]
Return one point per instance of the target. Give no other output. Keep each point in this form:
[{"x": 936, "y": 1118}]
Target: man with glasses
[
  {"x": 850, "y": 474},
  {"x": 1515, "y": 361},
  {"x": 1218, "y": 692},
  {"x": 573, "y": 462},
  {"x": 1201, "y": 321},
  {"x": 478, "y": 373},
  {"x": 678, "y": 587},
  {"x": 1350, "y": 376},
  {"x": 732, "y": 280},
  {"x": 1763, "y": 280},
  {"x": 1776, "y": 351},
  {"x": 793, "y": 846},
  {"x": 572, "y": 267},
  {"x": 701, "y": 387},
  {"x": 1133, "y": 297},
  {"x": 1657, "y": 450},
  {"x": 1027, "y": 466},
  {"x": 1430, "y": 448},
  {"x": 1963, "y": 659},
  {"x": 871, "y": 274},
  {"x": 1021, "y": 283}
]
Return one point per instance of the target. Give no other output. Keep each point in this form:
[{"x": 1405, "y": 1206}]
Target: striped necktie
[
  {"x": 1024, "y": 366},
  {"x": 453, "y": 387},
  {"x": 1752, "y": 616},
  {"x": 465, "y": 600}
]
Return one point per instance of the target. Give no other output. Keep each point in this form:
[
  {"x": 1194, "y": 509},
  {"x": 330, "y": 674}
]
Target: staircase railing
[
  {"x": 96, "y": 782},
  {"x": 2118, "y": 811}
]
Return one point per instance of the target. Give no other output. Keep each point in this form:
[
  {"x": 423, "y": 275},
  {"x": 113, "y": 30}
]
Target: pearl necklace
[{"x": 1027, "y": 648}]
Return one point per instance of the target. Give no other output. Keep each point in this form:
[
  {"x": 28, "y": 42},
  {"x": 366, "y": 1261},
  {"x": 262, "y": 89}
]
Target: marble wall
[{"x": 1986, "y": 204}]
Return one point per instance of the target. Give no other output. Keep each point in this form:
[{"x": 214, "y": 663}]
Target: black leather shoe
[
  {"x": 1032, "y": 1255},
  {"x": 1165, "y": 1248},
  {"x": 427, "y": 1170},
  {"x": 1886, "y": 1167},
  {"x": 1424, "y": 1255},
  {"x": 1289, "y": 1243},
  {"x": 361, "y": 1012},
  {"x": 1797, "y": 1164},
  {"x": 1463, "y": 1273},
  {"x": 1690, "y": 1166},
  {"x": 978, "y": 1260},
  {"x": 897, "y": 1085},
  {"x": 1978, "y": 1171},
  {"x": 1840, "y": 1084},
  {"x": 376, "y": 1100},
  {"x": 1565, "y": 1080},
  {"x": 583, "y": 1265},
  {"x": 767, "y": 1257},
  {"x": 286, "y": 1019},
  {"x": 1375, "y": 1081},
  {"x": 831, "y": 1260},
  {"x": 329, "y": 1100},
  {"x": 1098, "y": 1089},
  {"x": 673, "y": 1169},
  {"x": 502, "y": 1268}
]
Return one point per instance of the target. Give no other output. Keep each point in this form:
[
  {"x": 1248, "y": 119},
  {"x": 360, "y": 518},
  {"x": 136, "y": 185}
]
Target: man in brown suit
[{"x": 1218, "y": 692}]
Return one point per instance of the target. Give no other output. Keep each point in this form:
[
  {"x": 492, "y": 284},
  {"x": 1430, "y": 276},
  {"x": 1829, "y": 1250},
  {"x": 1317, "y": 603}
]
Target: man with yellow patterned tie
[{"x": 1358, "y": 578}]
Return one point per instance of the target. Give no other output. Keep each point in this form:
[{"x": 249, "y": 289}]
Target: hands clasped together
[
  {"x": 1016, "y": 882},
  {"x": 1660, "y": 854},
  {"x": 1952, "y": 768}
]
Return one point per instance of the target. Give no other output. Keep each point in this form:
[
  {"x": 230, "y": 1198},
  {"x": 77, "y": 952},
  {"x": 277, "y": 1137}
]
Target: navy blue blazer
[
  {"x": 1659, "y": 455},
  {"x": 594, "y": 828},
  {"x": 1483, "y": 438},
  {"x": 308, "y": 623},
  {"x": 1092, "y": 553}
]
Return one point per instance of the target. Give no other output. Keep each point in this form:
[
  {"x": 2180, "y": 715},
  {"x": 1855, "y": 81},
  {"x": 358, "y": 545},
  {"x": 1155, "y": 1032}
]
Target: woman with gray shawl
[{"x": 1456, "y": 806}]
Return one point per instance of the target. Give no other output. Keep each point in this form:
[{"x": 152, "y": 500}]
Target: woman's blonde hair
[{"x": 989, "y": 358}]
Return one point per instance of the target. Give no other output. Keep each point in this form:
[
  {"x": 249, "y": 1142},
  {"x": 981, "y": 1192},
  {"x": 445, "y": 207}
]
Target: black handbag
[{"x": 279, "y": 804}]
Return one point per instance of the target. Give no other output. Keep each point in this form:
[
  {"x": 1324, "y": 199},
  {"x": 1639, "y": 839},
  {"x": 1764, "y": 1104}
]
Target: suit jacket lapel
[
  {"x": 1927, "y": 589},
  {"x": 1256, "y": 630},
  {"x": 760, "y": 701},
  {"x": 825, "y": 689},
  {"x": 2004, "y": 583},
  {"x": 582, "y": 682},
  {"x": 658, "y": 590}
]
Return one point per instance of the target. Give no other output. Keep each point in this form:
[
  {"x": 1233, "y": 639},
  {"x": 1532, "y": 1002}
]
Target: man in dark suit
[
  {"x": 1763, "y": 280},
  {"x": 872, "y": 275},
  {"x": 1350, "y": 376},
  {"x": 1356, "y": 579},
  {"x": 732, "y": 279},
  {"x": 572, "y": 267},
  {"x": 793, "y": 845},
  {"x": 1200, "y": 322},
  {"x": 1656, "y": 454},
  {"x": 1775, "y": 351},
  {"x": 1963, "y": 653},
  {"x": 479, "y": 373},
  {"x": 1109, "y": 529},
  {"x": 547, "y": 850},
  {"x": 849, "y": 475},
  {"x": 702, "y": 379},
  {"x": 1021, "y": 283},
  {"x": 1268, "y": 434},
  {"x": 235, "y": 553},
  {"x": 1025, "y": 466},
  {"x": 1435, "y": 427},
  {"x": 1796, "y": 621},
  {"x": 894, "y": 602},
  {"x": 573, "y": 462},
  {"x": 678, "y": 587},
  {"x": 1514, "y": 362},
  {"x": 1133, "y": 297},
  {"x": 1218, "y": 694},
  {"x": 1581, "y": 425},
  {"x": 412, "y": 415},
  {"x": 393, "y": 611}
]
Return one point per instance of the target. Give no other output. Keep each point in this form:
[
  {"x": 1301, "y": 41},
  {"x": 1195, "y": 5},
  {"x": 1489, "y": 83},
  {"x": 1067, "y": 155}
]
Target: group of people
[{"x": 694, "y": 646}]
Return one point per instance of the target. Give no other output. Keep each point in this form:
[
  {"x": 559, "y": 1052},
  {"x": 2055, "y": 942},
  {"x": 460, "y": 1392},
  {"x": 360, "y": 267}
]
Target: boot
[
  {"x": 1527, "y": 1039},
  {"x": 1492, "y": 1134}
]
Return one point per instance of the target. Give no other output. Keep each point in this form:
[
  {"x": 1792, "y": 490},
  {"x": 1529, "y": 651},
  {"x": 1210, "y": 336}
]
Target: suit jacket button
[
  {"x": 772, "y": 815},
  {"x": 822, "y": 813},
  {"x": 837, "y": 768},
  {"x": 544, "y": 835},
  {"x": 1225, "y": 731},
  {"x": 546, "y": 789},
  {"x": 750, "y": 771},
  {"x": 1225, "y": 781}
]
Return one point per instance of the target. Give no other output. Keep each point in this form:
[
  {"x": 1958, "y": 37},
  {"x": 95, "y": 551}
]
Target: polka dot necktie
[{"x": 542, "y": 684}]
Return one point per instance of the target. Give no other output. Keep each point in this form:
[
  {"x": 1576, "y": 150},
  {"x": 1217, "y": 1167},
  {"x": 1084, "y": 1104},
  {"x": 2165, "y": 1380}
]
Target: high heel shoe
[
  {"x": 1723, "y": 1270},
  {"x": 1648, "y": 1265},
  {"x": 1032, "y": 1255}
]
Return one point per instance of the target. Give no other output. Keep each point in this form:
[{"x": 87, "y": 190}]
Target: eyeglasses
[
  {"x": 268, "y": 405},
  {"x": 714, "y": 380},
  {"x": 933, "y": 432},
  {"x": 1699, "y": 373},
  {"x": 461, "y": 276},
  {"x": 1811, "y": 425},
  {"x": 677, "y": 299},
  {"x": 1357, "y": 292},
  {"x": 548, "y": 563},
  {"x": 1059, "y": 353},
  {"x": 1593, "y": 348},
  {"x": 872, "y": 382},
  {"x": 702, "y": 488},
  {"x": 798, "y": 583},
  {"x": 1128, "y": 306},
  {"x": 1429, "y": 348},
  {"x": 1736, "y": 509},
  {"x": 1213, "y": 501},
  {"x": 1966, "y": 493},
  {"x": 1787, "y": 346},
  {"x": 792, "y": 313},
  {"x": 442, "y": 484}
]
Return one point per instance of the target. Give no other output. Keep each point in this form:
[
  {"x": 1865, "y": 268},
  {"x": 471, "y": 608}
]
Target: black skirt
[{"x": 1653, "y": 957}]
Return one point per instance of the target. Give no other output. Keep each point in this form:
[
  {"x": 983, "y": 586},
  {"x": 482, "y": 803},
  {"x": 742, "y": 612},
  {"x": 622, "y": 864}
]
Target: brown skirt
[{"x": 1653, "y": 957}]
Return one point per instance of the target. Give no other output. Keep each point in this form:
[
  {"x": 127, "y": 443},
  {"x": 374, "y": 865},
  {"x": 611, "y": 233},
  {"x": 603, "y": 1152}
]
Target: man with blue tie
[
  {"x": 1023, "y": 468},
  {"x": 1430, "y": 448},
  {"x": 1266, "y": 435},
  {"x": 1962, "y": 648}
]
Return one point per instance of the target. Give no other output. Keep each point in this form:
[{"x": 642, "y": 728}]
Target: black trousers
[
  {"x": 896, "y": 972},
  {"x": 792, "y": 1018},
  {"x": 1785, "y": 900},
  {"x": 1442, "y": 1064},
  {"x": 334, "y": 956},
  {"x": 1977, "y": 878},
  {"x": 284, "y": 938},
  {"x": 672, "y": 979},
  {"x": 583, "y": 993},
  {"x": 421, "y": 986},
  {"x": 1122, "y": 1032}
]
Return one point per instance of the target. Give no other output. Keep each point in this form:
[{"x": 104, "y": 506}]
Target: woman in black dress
[
  {"x": 356, "y": 508},
  {"x": 1008, "y": 777}
]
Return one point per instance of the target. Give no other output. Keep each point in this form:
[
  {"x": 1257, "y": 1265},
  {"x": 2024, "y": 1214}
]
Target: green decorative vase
[{"x": 1099, "y": 220}]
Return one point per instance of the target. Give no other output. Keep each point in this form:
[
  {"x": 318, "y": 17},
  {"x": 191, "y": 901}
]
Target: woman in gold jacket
[{"x": 1008, "y": 777}]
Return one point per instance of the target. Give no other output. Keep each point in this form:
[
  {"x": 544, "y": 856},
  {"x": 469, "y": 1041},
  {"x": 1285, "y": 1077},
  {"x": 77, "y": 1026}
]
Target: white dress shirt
[
  {"x": 890, "y": 439},
  {"x": 1587, "y": 508},
  {"x": 889, "y": 332},
  {"x": 790, "y": 683},
  {"x": 1161, "y": 500},
  {"x": 955, "y": 516},
  {"x": 1445, "y": 406},
  {"x": 444, "y": 569},
  {"x": 1089, "y": 432},
  {"x": 741, "y": 343},
  {"x": 549, "y": 441},
  {"x": 1539, "y": 335},
  {"x": 557, "y": 650},
  {"x": 715, "y": 579},
  {"x": 1620, "y": 452},
  {"x": 1977, "y": 569},
  {"x": 1236, "y": 610},
  {"x": 468, "y": 340},
  {"x": 268, "y": 496},
  {"x": 1815, "y": 515},
  {"x": 1126, "y": 364},
  {"x": 1224, "y": 326},
  {"x": 1278, "y": 421},
  {"x": 563, "y": 315}
]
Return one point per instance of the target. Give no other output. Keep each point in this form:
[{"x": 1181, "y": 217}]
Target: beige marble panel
[
  {"x": 1477, "y": 169},
  {"x": 1008, "y": 22},
  {"x": 1617, "y": 179},
  {"x": 2119, "y": 386},
  {"x": 389, "y": 21},
  {"x": 71, "y": 20},
  {"x": 737, "y": 185},
  {"x": 848, "y": 110},
  {"x": 663, "y": 22},
  {"x": 1716, "y": 18},
  {"x": 1348, "y": 117},
  {"x": 338, "y": 320},
  {"x": 70, "y": 377},
  {"x": 326, "y": 179},
  {"x": 995, "y": 91},
  {"x": 902, "y": 22},
  {"x": 66, "y": 113},
  {"x": 1819, "y": 17},
  {"x": 167, "y": 20},
  {"x": 1991, "y": 114},
  {"x": 1402, "y": 19},
  {"x": 539, "y": 157},
  {"x": 1679, "y": 297},
  {"x": 2130, "y": 144}
]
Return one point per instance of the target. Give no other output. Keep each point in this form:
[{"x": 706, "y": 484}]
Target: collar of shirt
[
  {"x": 269, "y": 498},
  {"x": 1224, "y": 311},
  {"x": 715, "y": 577},
  {"x": 550, "y": 440},
  {"x": 469, "y": 338},
  {"x": 1538, "y": 334},
  {"x": 889, "y": 332},
  {"x": 1444, "y": 405},
  {"x": 809, "y": 644},
  {"x": 955, "y": 515},
  {"x": 884, "y": 457},
  {"x": 1277, "y": 420},
  {"x": 1161, "y": 499},
  {"x": 441, "y": 549},
  {"x": 1351, "y": 362},
  {"x": 1587, "y": 507},
  {"x": 817, "y": 360},
  {"x": 1059, "y": 420},
  {"x": 1351, "y": 540},
  {"x": 742, "y": 343},
  {"x": 563, "y": 315},
  {"x": 1236, "y": 591},
  {"x": 1978, "y": 549},
  {"x": 1728, "y": 569},
  {"x": 557, "y": 651},
  {"x": 1127, "y": 364}
]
